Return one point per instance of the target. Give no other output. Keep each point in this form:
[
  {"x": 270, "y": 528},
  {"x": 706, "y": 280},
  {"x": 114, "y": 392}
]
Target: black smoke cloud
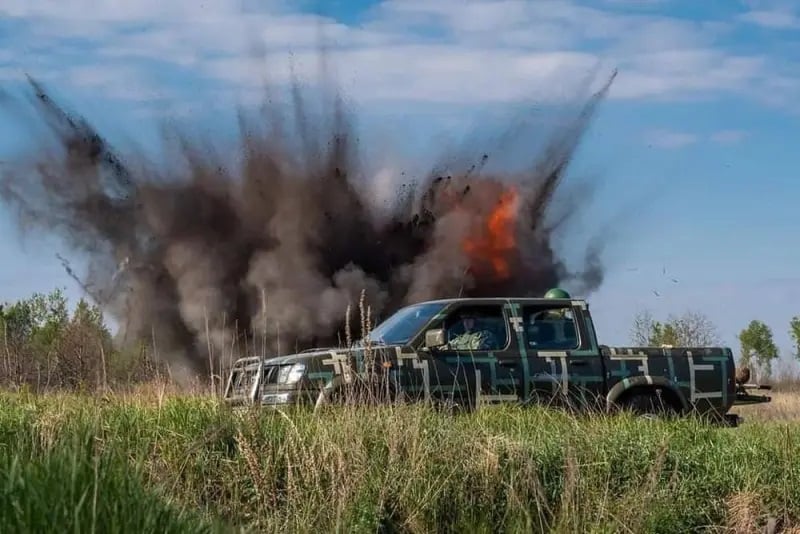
[{"x": 204, "y": 251}]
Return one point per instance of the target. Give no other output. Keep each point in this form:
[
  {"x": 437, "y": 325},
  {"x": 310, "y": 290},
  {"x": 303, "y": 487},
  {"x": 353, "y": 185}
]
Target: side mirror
[{"x": 434, "y": 338}]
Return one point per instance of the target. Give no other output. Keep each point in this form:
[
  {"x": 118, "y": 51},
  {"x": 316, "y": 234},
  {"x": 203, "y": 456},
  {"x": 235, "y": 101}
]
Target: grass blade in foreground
[{"x": 75, "y": 463}]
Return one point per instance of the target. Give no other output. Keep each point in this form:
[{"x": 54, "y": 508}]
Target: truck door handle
[
  {"x": 507, "y": 363},
  {"x": 578, "y": 362}
]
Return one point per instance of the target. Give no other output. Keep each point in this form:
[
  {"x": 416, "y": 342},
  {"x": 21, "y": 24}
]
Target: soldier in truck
[{"x": 471, "y": 332}]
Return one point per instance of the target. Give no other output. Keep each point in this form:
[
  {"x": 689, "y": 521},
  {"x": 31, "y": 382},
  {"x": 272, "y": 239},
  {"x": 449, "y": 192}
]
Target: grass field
[{"x": 151, "y": 462}]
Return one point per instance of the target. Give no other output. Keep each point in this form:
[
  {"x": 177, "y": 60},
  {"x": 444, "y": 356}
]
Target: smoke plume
[{"x": 276, "y": 245}]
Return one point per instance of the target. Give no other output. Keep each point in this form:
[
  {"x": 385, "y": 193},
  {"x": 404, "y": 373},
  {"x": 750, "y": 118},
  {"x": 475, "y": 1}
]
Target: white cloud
[
  {"x": 774, "y": 19},
  {"x": 547, "y": 24},
  {"x": 432, "y": 73},
  {"x": 686, "y": 72},
  {"x": 669, "y": 139},
  {"x": 636, "y": 3},
  {"x": 115, "y": 81},
  {"x": 448, "y": 50},
  {"x": 9, "y": 74},
  {"x": 729, "y": 137},
  {"x": 129, "y": 10}
]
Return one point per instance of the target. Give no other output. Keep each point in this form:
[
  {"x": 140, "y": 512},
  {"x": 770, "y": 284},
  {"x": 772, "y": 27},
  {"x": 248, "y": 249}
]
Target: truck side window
[
  {"x": 476, "y": 328},
  {"x": 550, "y": 329}
]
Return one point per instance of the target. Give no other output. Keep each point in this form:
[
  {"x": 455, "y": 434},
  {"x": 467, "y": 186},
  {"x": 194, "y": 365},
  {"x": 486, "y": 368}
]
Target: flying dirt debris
[{"x": 198, "y": 255}]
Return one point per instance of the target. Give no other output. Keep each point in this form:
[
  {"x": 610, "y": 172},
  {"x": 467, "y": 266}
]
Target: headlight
[{"x": 290, "y": 374}]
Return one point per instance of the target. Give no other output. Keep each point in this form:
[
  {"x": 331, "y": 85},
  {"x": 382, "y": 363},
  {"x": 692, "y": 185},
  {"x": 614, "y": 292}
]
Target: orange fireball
[{"x": 495, "y": 240}]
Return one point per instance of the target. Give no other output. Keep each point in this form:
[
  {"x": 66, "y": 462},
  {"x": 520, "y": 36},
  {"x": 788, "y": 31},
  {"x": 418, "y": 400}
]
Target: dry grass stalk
[{"x": 744, "y": 512}]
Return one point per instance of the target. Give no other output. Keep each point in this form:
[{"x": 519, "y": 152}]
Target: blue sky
[{"x": 700, "y": 122}]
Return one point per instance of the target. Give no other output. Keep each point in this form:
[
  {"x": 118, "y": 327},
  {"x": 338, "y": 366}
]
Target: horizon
[{"x": 689, "y": 146}]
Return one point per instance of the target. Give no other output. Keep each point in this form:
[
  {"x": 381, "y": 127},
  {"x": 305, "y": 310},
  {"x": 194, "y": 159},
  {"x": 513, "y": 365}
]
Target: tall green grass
[{"x": 72, "y": 463}]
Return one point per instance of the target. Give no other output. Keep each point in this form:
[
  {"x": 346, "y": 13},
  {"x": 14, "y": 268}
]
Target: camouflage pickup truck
[{"x": 469, "y": 352}]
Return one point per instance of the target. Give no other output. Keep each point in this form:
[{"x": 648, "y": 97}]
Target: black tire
[{"x": 649, "y": 405}]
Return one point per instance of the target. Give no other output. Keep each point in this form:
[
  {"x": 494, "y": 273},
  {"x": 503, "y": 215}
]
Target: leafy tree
[
  {"x": 757, "y": 344},
  {"x": 16, "y": 323},
  {"x": 50, "y": 317},
  {"x": 43, "y": 345},
  {"x": 40, "y": 341},
  {"x": 794, "y": 332},
  {"x": 663, "y": 334},
  {"x": 90, "y": 316},
  {"x": 691, "y": 329},
  {"x": 37, "y": 320}
]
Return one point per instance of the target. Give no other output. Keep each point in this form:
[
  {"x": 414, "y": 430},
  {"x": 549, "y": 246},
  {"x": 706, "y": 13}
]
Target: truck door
[
  {"x": 480, "y": 352},
  {"x": 564, "y": 366}
]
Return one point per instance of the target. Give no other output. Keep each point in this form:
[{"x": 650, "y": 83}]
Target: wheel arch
[
  {"x": 647, "y": 384},
  {"x": 359, "y": 381}
]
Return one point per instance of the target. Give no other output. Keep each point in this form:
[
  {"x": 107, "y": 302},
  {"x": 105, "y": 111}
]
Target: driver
[{"x": 471, "y": 338}]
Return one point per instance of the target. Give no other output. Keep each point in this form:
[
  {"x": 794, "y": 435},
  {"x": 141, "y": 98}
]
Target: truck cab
[{"x": 470, "y": 352}]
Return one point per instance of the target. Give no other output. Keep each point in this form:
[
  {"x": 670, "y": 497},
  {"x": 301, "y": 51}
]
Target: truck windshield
[{"x": 403, "y": 324}]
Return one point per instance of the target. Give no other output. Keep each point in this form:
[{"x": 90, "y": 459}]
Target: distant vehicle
[{"x": 470, "y": 352}]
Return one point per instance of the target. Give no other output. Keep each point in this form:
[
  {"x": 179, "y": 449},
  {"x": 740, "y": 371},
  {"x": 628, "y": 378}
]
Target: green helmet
[{"x": 556, "y": 293}]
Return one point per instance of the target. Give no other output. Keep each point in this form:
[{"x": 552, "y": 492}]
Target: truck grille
[{"x": 243, "y": 381}]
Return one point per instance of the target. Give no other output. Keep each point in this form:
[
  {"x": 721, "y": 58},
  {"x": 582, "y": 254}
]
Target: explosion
[
  {"x": 495, "y": 242},
  {"x": 274, "y": 245}
]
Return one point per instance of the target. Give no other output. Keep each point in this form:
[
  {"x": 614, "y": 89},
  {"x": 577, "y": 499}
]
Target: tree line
[
  {"x": 45, "y": 346},
  {"x": 757, "y": 346}
]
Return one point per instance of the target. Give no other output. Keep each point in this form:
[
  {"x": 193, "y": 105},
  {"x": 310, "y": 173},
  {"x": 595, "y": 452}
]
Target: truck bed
[
  {"x": 698, "y": 372},
  {"x": 702, "y": 376}
]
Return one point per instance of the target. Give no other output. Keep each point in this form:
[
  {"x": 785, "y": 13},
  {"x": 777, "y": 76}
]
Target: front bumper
[{"x": 273, "y": 396}]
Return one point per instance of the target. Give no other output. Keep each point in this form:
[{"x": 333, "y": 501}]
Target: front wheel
[{"x": 359, "y": 392}]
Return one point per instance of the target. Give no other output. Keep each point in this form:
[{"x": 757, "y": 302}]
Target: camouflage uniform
[{"x": 476, "y": 340}]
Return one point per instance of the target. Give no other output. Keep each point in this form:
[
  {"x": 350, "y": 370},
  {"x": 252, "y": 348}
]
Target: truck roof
[{"x": 523, "y": 300}]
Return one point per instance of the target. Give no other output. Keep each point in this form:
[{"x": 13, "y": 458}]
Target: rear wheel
[{"x": 649, "y": 404}]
